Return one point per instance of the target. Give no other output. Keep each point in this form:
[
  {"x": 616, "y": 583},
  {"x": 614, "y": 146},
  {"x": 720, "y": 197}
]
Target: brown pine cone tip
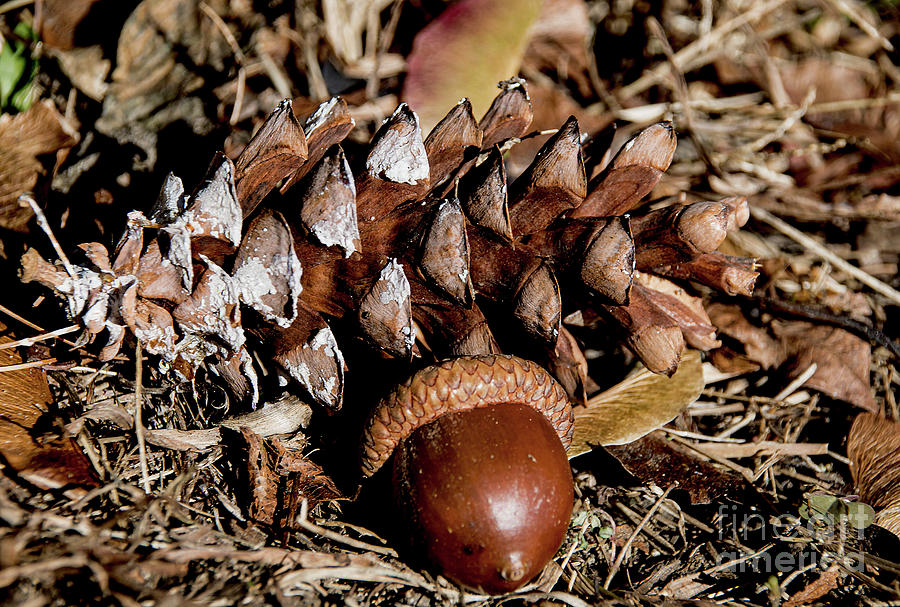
[
  {"x": 412, "y": 244},
  {"x": 459, "y": 384}
]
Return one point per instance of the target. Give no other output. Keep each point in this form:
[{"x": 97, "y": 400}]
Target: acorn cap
[{"x": 460, "y": 384}]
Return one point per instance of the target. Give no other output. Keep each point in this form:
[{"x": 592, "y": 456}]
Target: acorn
[{"x": 480, "y": 475}]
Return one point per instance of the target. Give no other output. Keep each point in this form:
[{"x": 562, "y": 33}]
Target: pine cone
[{"x": 415, "y": 240}]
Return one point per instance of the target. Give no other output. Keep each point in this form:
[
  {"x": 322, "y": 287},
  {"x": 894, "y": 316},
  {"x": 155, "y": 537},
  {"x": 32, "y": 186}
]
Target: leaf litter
[{"x": 762, "y": 437}]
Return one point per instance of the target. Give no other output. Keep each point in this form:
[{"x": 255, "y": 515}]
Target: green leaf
[
  {"x": 15, "y": 88},
  {"x": 638, "y": 405},
  {"x": 23, "y": 98},
  {"x": 470, "y": 47},
  {"x": 12, "y": 66},
  {"x": 831, "y": 508}
]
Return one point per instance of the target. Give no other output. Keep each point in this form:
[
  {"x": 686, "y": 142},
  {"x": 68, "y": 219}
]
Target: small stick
[
  {"x": 641, "y": 525},
  {"x": 138, "y": 422},
  {"x": 28, "y": 323},
  {"x": 852, "y": 12},
  {"x": 238, "y": 55},
  {"x": 45, "y": 226},
  {"x": 823, "y": 252},
  {"x": 305, "y": 523},
  {"x": 28, "y": 365},
  {"x": 798, "y": 381},
  {"x": 13, "y": 5},
  {"x": 32, "y": 340},
  {"x": 810, "y": 312}
]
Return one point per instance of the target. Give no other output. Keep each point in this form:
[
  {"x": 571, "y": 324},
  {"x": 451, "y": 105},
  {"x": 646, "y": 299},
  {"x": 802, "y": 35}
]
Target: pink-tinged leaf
[{"x": 464, "y": 53}]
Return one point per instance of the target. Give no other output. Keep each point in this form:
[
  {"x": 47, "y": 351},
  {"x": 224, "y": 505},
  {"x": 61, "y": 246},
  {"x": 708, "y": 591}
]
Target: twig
[
  {"x": 853, "y": 13},
  {"x": 138, "y": 422},
  {"x": 798, "y": 381},
  {"x": 697, "y": 47},
  {"x": 28, "y": 365},
  {"x": 32, "y": 340},
  {"x": 13, "y": 5},
  {"x": 823, "y": 252},
  {"x": 865, "y": 330},
  {"x": 637, "y": 530},
  {"x": 680, "y": 89},
  {"x": 238, "y": 55},
  {"x": 28, "y": 323},
  {"x": 305, "y": 523},
  {"x": 45, "y": 226}
]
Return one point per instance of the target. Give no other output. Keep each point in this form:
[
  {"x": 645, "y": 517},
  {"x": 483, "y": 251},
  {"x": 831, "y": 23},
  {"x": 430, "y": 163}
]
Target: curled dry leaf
[
  {"x": 48, "y": 463},
  {"x": 841, "y": 358},
  {"x": 640, "y": 404},
  {"x": 24, "y": 140},
  {"x": 279, "y": 478},
  {"x": 874, "y": 451}
]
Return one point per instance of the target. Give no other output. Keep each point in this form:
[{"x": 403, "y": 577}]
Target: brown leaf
[
  {"x": 301, "y": 479},
  {"x": 816, "y": 589},
  {"x": 873, "y": 447},
  {"x": 279, "y": 478},
  {"x": 842, "y": 360},
  {"x": 759, "y": 346},
  {"x": 261, "y": 479},
  {"x": 640, "y": 404},
  {"x": 24, "y": 396},
  {"x": 653, "y": 459},
  {"x": 24, "y": 138},
  {"x": 150, "y": 71},
  {"x": 60, "y": 20}
]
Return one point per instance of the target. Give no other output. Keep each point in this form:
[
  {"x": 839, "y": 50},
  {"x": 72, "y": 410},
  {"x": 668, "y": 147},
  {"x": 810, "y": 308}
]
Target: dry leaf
[
  {"x": 816, "y": 589},
  {"x": 874, "y": 451},
  {"x": 23, "y": 139},
  {"x": 24, "y": 396},
  {"x": 841, "y": 358},
  {"x": 640, "y": 404},
  {"x": 470, "y": 47},
  {"x": 280, "y": 477},
  {"x": 60, "y": 20},
  {"x": 657, "y": 460}
]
